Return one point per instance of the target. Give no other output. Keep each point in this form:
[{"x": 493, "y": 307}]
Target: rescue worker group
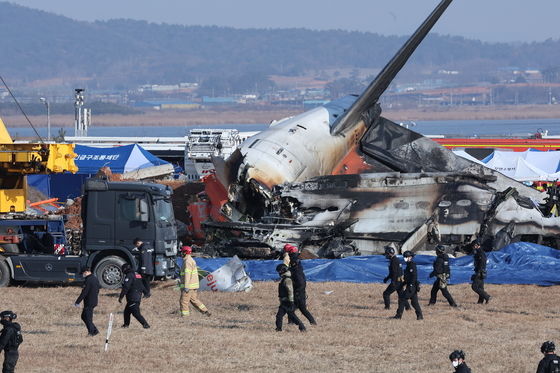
[{"x": 291, "y": 293}]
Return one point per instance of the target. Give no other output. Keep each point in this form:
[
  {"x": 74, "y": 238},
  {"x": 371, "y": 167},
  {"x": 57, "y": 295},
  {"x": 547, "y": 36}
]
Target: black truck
[{"x": 113, "y": 215}]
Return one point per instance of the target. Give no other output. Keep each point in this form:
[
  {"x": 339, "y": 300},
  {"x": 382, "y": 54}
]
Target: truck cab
[{"x": 113, "y": 215}]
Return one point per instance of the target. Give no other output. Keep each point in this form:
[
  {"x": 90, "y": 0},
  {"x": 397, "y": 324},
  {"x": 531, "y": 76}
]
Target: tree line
[{"x": 118, "y": 54}]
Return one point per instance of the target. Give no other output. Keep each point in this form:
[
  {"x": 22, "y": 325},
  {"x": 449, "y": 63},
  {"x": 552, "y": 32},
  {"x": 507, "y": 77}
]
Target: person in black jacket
[
  {"x": 286, "y": 297},
  {"x": 479, "y": 272},
  {"x": 133, "y": 288},
  {"x": 10, "y": 338},
  {"x": 457, "y": 358},
  {"x": 90, "y": 296},
  {"x": 550, "y": 363},
  {"x": 442, "y": 273},
  {"x": 146, "y": 268},
  {"x": 412, "y": 286},
  {"x": 395, "y": 275},
  {"x": 300, "y": 283}
]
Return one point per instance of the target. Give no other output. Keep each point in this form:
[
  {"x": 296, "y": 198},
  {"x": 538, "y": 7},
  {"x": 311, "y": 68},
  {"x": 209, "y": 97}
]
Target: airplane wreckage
[{"x": 342, "y": 180}]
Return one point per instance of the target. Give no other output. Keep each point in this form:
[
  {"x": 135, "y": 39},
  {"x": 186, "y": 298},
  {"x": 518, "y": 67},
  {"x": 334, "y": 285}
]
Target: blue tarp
[
  {"x": 518, "y": 263},
  {"x": 120, "y": 159}
]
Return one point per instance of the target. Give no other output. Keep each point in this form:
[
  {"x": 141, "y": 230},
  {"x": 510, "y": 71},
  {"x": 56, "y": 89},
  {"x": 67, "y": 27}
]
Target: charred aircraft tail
[
  {"x": 371, "y": 95},
  {"x": 406, "y": 151}
]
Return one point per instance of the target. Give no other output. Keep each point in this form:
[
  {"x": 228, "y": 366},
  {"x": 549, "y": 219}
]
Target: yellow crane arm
[{"x": 19, "y": 160}]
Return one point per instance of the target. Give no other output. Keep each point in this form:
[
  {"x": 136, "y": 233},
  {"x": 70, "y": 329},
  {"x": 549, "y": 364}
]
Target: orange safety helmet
[{"x": 186, "y": 250}]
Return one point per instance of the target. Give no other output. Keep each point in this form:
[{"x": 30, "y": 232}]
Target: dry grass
[
  {"x": 354, "y": 333},
  {"x": 266, "y": 115}
]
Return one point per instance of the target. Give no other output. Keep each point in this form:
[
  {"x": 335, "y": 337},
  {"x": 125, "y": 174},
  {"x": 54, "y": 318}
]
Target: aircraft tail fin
[{"x": 376, "y": 88}]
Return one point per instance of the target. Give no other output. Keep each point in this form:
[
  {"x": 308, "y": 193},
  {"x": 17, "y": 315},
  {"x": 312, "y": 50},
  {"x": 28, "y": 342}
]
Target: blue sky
[{"x": 487, "y": 20}]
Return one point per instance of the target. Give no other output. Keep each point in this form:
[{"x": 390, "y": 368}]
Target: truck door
[
  {"x": 99, "y": 219},
  {"x": 134, "y": 218}
]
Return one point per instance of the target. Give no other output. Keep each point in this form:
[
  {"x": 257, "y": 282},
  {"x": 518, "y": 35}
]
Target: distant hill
[{"x": 37, "y": 45}]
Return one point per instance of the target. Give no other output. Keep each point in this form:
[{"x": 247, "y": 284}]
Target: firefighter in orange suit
[{"x": 189, "y": 284}]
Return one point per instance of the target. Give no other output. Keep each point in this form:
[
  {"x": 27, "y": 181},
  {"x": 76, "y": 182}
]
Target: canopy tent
[
  {"x": 120, "y": 159},
  {"x": 518, "y": 263},
  {"x": 464, "y": 154},
  {"x": 530, "y": 165}
]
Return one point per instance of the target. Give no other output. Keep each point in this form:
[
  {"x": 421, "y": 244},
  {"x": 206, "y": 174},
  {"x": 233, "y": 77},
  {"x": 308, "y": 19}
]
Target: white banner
[{"x": 229, "y": 277}]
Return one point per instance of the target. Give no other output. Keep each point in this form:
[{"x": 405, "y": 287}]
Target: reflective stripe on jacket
[{"x": 189, "y": 274}]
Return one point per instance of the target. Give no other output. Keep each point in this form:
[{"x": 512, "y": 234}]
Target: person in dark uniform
[
  {"x": 457, "y": 358},
  {"x": 146, "y": 268},
  {"x": 395, "y": 275},
  {"x": 10, "y": 339},
  {"x": 133, "y": 288},
  {"x": 286, "y": 297},
  {"x": 442, "y": 273},
  {"x": 300, "y": 282},
  {"x": 412, "y": 286},
  {"x": 550, "y": 363},
  {"x": 90, "y": 296},
  {"x": 479, "y": 272}
]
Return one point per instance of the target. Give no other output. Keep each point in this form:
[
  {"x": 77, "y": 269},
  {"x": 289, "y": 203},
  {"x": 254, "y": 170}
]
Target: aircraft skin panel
[{"x": 298, "y": 148}]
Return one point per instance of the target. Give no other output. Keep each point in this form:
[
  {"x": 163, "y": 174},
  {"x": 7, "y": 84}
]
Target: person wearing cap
[
  {"x": 190, "y": 284},
  {"x": 411, "y": 287},
  {"x": 286, "y": 297},
  {"x": 395, "y": 275},
  {"x": 550, "y": 363},
  {"x": 442, "y": 272},
  {"x": 10, "y": 339},
  {"x": 133, "y": 288},
  {"x": 300, "y": 283},
  {"x": 146, "y": 268},
  {"x": 479, "y": 257},
  {"x": 90, "y": 297},
  {"x": 288, "y": 249},
  {"x": 457, "y": 358}
]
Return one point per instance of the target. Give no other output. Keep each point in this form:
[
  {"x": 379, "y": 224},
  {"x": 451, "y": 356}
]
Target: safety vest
[{"x": 189, "y": 274}]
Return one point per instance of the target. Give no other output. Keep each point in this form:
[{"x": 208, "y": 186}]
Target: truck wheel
[
  {"x": 109, "y": 272},
  {"x": 4, "y": 274}
]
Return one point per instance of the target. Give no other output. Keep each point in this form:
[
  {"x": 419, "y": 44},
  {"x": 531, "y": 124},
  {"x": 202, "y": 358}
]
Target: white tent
[
  {"x": 467, "y": 156},
  {"x": 529, "y": 165}
]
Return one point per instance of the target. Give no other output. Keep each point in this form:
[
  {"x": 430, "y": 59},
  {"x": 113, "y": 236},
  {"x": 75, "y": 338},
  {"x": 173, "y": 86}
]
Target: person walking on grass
[
  {"x": 10, "y": 339},
  {"x": 90, "y": 297},
  {"x": 411, "y": 288},
  {"x": 133, "y": 288},
  {"x": 479, "y": 275},
  {"x": 286, "y": 298},
  {"x": 190, "y": 284},
  {"x": 442, "y": 272},
  {"x": 146, "y": 268},
  {"x": 300, "y": 283},
  {"x": 395, "y": 276},
  {"x": 550, "y": 363}
]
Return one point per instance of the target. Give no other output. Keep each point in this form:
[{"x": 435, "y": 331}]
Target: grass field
[
  {"x": 354, "y": 332},
  {"x": 254, "y": 116}
]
